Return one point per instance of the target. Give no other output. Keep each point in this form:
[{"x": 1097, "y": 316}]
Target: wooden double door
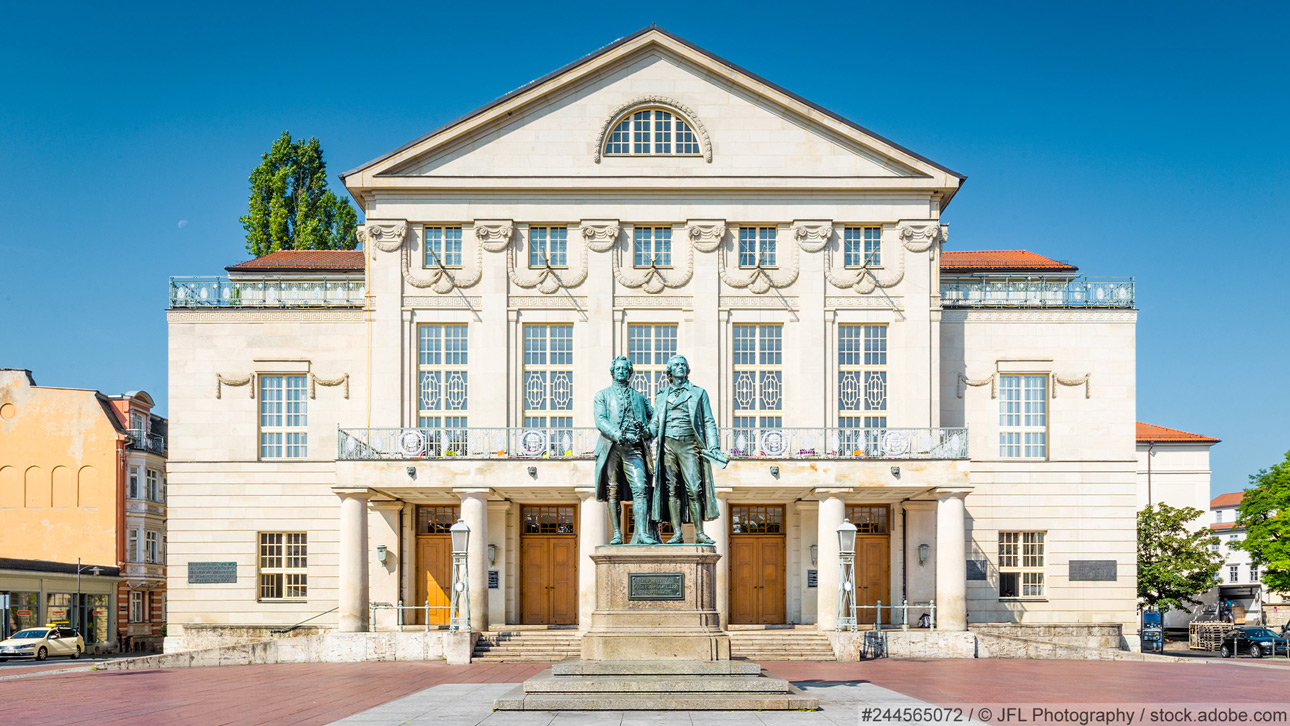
[
  {"x": 548, "y": 566},
  {"x": 758, "y": 559}
]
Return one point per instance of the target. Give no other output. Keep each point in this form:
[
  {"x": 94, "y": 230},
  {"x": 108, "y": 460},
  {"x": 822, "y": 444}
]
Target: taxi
[{"x": 41, "y": 643}]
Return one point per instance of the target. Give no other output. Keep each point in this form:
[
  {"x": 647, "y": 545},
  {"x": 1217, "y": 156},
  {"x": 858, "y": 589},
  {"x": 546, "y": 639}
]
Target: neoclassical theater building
[{"x": 333, "y": 413}]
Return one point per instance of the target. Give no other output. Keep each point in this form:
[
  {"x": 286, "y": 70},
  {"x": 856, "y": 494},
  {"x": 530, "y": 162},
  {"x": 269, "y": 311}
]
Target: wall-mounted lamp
[
  {"x": 815, "y": 555},
  {"x": 895, "y": 471},
  {"x": 492, "y": 555},
  {"x": 382, "y": 554},
  {"x": 533, "y": 471},
  {"x": 924, "y": 551},
  {"x": 774, "y": 471},
  {"x": 412, "y": 472}
]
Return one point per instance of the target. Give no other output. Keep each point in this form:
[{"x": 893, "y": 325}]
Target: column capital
[
  {"x": 723, "y": 492},
  {"x": 474, "y": 493},
  {"x": 585, "y": 493},
  {"x": 353, "y": 492},
  {"x": 831, "y": 492},
  {"x": 386, "y": 505},
  {"x": 945, "y": 493}
]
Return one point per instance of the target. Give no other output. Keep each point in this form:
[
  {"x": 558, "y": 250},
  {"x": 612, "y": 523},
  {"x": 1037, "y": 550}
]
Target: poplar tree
[
  {"x": 1175, "y": 563},
  {"x": 291, "y": 207}
]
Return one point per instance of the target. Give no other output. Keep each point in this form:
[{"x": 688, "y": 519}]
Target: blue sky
[{"x": 1143, "y": 139}]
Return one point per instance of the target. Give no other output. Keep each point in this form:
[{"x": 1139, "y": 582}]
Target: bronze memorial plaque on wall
[{"x": 655, "y": 586}]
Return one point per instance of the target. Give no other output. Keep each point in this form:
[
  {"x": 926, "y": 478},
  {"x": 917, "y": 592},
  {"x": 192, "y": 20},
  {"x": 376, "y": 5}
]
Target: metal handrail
[
  {"x": 223, "y": 292},
  {"x": 399, "y": 609},
  {"x": 903, "y": 607},
  {"x": 1017, "y": 291},
  {"x": 375, "y": 444},
  {"x": 136, "y": 439},
  {"x": 278, "y": 631}
]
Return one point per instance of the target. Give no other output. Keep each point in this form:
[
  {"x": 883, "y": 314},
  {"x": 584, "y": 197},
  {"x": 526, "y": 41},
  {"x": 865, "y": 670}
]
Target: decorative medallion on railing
[
  {"x": 706, "y": 234},
  {"x": 343, "y": 380},
  {"x": 385, "y": 236},
  {"x": 222, "y": 380},
  {"x": 812, "y": 236}
]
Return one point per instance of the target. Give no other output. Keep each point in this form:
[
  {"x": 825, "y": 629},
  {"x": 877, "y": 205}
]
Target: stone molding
[
  {"x": 675, "y": 107},
  {"x": 554, "y": 303},
  {"x": 754, "y": 301},
  {"x": 386, "y": 236},
  {"x": 662, "y": 301},
  {"x": 453, "y": 302},
  {"x": 1033, "y": 315},
  {"x": 261, "y": 315},
  {"x": 843, "y": 301}
]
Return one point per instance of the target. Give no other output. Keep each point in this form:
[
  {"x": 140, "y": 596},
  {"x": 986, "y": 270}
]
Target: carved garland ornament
[
  {"x": 384, "y": 236},
  {"x": 652, "y": 279},
  {"x": 913, "y": 238},
  {"x": 991, "y": 380},
  {"x": 548, "y": 280},
  {"x": 222, "y": 380},
  {"x": 706, "y": 234},
  {"x": 600, "y": 236},
  {"x": 759, "y": 279},
  {"x": 812, "y": 236},
  {"x": 1081, "y": 381},
  {"x": 344, "y": 379},
  {"x": 685, "y": 111},
  {"x": 495, "y": 234},
  {"x": 442, "y": 279}
]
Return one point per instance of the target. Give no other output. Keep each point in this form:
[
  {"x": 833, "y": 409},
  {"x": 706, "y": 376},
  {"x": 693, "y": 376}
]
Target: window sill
[
  {"x": 446, "y": 267},
  {"x": 651, "y": 267},
  {"x": 864, "y": 267},
  {"x": 281, "y": 602},
  {"x": 1023, "y": 599}
]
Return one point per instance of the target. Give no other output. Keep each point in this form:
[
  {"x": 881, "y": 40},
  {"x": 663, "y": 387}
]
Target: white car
[{"x": 40, "y": 643}]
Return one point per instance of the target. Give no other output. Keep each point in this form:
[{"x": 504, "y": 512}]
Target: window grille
[
  {"x": 548, "y": 520},
  {"x": 548, "y": 246},
  {"x": 862, "y": 246},
  {"x": 1021, "y": 564},
  {"x": 283, "y": 417},
  {"x": 443, "y": 379},
  {"x": 1023, "y": 417},
  {"x": 442, "y": 246},
  {"x": 437, "y": 520},
  {"x": 869, "y": 518},
  {"x": 652, "y": 132},
  {"x": 652, "y": 246},
  {"x": 756, "y": 519},
  {"x": 283, "y": 565},
  {"x": 548, "y": 384},
  {"x": 648, "y": 348},
  {"x": 757, "y": 246},
  {"x": 862, "y": 387},
  {"x": 758, "y": 401}
]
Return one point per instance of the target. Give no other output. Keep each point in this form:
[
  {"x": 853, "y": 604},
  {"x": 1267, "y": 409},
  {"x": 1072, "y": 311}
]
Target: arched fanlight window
[{"x": 652, "y": 132}]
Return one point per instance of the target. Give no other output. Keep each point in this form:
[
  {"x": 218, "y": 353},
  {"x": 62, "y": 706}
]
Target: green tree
[
  {"x": 1265, "y": 514},
  {"x": 1175, "y": 563},
  {"x": 291, "y": 207}
]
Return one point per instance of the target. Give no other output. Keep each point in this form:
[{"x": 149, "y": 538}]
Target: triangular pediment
[{"x": 747, "y": 128}]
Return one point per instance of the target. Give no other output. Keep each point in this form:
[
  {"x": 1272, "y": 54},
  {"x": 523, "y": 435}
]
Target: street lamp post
[
  {"x": 847, "y": 576},
  {"x": 459, "y": 607}
]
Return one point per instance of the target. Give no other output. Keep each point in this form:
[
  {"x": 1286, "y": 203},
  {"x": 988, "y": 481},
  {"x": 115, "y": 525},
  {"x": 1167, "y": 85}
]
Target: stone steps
[
  {"x": 527, "y": 646},
  {"x": 770, "y": 645}
]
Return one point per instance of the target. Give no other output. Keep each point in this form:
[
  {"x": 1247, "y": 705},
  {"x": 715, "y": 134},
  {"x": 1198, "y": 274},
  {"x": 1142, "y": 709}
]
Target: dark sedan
[{"x": 1255, "y": 642}]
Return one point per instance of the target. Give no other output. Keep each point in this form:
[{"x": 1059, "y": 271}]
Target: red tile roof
[
  {"x": 1231, "y": 499},
  {"x": 1222, "y": 525},
  {"x": 1150, "y": 433},
  {"x": 303, "y": 261},
  {"x": 1000, "y": 261}
]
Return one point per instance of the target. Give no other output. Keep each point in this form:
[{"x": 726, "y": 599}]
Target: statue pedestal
[{"x": 656, "y": 603}]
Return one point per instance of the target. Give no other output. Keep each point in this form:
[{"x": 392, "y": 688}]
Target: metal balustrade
[
  {"x": 378, "y": 444},
  {"x": 1037, "y": 292},
  {"x": 136, "y": 439},
  {"x": 221, "y": 292}
]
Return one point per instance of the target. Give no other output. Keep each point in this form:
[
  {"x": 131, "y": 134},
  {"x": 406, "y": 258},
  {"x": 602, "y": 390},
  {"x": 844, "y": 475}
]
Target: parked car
[
  {"x": 40, "y": 643},
  {"x": 1255, "y": 642}
]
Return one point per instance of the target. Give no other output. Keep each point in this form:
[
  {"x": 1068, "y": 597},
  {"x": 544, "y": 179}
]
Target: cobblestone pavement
[{"x": 432, "y": 692}]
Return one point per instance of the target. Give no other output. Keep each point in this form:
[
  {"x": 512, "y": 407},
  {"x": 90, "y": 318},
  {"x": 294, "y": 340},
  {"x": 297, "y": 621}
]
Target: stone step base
[
  {"x": 548, "y": 683},
  {"x": 793, "y": 700},
  {"x": 527, "y": 645}
]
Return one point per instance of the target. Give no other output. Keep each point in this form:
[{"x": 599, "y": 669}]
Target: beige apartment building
[{"x": 334, "y": 412}]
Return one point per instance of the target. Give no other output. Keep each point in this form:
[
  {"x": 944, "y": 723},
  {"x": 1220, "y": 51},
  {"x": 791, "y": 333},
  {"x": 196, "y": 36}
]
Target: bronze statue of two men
[{"x": 672, "y": 483}]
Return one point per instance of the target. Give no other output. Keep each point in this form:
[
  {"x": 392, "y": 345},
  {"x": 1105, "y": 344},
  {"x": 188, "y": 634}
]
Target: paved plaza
[{"x": 387, "y": 693}]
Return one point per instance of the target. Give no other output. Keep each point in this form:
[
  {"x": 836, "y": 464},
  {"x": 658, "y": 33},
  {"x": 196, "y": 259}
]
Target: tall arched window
[{"x": 653, "y": 132}]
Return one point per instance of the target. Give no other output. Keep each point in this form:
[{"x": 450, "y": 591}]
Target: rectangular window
[
  {"x": 283, "y": 566},
  {"x": 862, "y": 388},
  {"x": 548, "y": 246},
  {"x": 136, "y": 606},
  {"x": 869, "y": 518},
  {"x": 862, "y": 246},
  {"x": 133, "y": 492},
  {"x": 757, "y": 246},
  {"x": 648, "y": 348},
  {"x": 132, "y": 545},
  {"x": 756, "y": 519},
  {"x": 652, "y": 247},
  {"x": 153, "y": 552},
  {"x": 443, "y": 390},
  {"x": 1254, "y": 573},
  {"x": 1023, "y": 417},
  {"x": 758, "y": 383},
  {"x": 1021, "y": 564},
  {"x": 154, "y": 486},
  {"x": 547, "y": 520},
  {"x": 1233, "y": 573},
  {"x": 283, "y": 417},
  {"x": 548, "y": 383},
  {"x": 443, "y": 246}
]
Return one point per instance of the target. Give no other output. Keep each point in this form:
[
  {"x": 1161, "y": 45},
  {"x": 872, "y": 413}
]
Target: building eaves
[{"x": 1153, "y": 434}]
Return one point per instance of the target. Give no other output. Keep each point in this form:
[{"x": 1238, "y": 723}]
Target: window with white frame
[
  {"x": 137, "y": 610},
  {"x": 1023, "y": 417},
  {"x": 548, "y": 246},
  {"x": 283, "y": 417},
  {"x": 652, "y": 247},
  {"x": 862, "y": 246},
  {"x": 132, "y": 545},
  {"x": 443, "y": 378},
  {"x": 133, "y": 491},
  {"x": 284, "y": 560},
  {"x": 139, "y": 422},
  {"x": 862, "y": 386},
  {"x": 548, "y": 383},
  {"x": 154, "y": 485},
  {"x": 442, "y": 246},
  {"x": 1233, "y": 573},
  {"x": 1254, "y": 573},
  {"x": 652, "y": 132},
  {"x": 648, "y": 348},
  {"x": 758, "y": 401},
  {"x": 152, "y": 553},
  {"x": 1218, "y": 516},
  {"x": 757, "y": 246},
  {"x": 1021, "y": 564}
]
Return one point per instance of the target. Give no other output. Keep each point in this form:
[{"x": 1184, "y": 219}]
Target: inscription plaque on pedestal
[
  {"x": 205, "y": 573},
  {"x": 655, "y": 586}
]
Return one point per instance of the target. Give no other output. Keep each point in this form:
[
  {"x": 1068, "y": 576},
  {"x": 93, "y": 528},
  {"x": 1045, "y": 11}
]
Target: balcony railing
[
  {"x": 1037, "y": 292},
  {"x": 221, "y": 292},
  {"x": 135, "y": 439},
  {"x": 580, "y": 443}
]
